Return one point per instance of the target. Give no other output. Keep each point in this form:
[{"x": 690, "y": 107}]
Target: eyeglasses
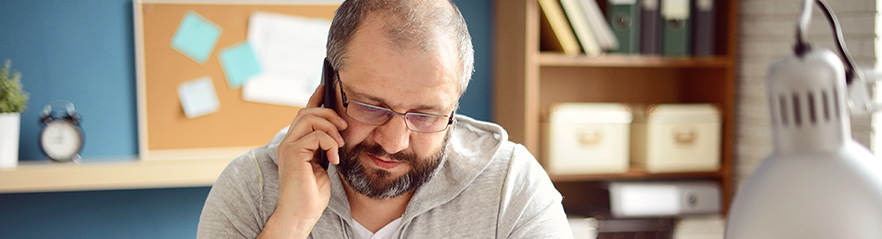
[{"x": 377, "y": 115}]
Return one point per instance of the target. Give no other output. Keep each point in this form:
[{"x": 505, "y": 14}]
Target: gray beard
[{"x": 378, "y": 183}]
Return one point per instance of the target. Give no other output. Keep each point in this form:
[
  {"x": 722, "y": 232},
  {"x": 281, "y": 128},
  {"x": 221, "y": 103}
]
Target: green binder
[
  {"x": 624, "y": 18},
  {"x": 676, "y": 28}
]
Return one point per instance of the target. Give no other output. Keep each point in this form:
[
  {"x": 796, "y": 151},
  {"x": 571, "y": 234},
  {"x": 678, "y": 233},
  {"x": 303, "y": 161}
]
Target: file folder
[
  {"x": 676, "y": 28},
  {"x": 705, "y": 19},
  {"x": 650, "y": 40},
  {"x": 624, "y": 17}
]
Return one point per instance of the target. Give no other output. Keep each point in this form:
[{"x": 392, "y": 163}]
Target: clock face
[{"x": 61, "y": 140}]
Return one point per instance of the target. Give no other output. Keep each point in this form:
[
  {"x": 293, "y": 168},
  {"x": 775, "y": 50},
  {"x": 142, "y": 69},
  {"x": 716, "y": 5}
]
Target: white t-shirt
[{"x": 383, "y": 233}]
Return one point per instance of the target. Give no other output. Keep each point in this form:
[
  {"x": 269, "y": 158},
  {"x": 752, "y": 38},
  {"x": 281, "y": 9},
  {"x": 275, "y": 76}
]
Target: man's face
[{"x": 388, "y": 160}]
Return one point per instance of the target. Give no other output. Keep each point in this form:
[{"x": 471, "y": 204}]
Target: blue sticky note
[
  {"x": 239, "y": 63},
  {"x": 196, "y": 37}
]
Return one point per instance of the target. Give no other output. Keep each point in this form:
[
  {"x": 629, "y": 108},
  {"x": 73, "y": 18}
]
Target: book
[
  {"x": 548, "y": 41},
  {"x": 560, "y": 28},
  {"x": 579, "y": 22},
  {"x": 599, "y": 26}
]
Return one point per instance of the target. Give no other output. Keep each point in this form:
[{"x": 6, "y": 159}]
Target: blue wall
[
  {"x": 83, "y": 52},
  {"x": 156, "y": 213},
  {"x": 79, "y": 51}
]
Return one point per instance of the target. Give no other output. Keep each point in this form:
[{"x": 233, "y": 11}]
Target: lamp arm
[
  {"x": 851, "y": 71},
  {"x": 859, "y": 100},
  {"x": 802, "y": 46}
]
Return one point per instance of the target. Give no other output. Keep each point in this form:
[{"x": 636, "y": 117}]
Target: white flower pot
[{"x": 10, "y": 125}]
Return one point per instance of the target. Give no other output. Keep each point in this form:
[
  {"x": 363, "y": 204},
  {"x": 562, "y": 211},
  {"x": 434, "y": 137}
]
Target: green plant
[{"x": 12, "y": 98}]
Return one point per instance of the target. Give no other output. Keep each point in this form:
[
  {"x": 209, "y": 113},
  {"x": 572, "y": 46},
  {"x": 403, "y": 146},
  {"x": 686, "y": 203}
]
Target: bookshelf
[{"x": 530, "y": 80}]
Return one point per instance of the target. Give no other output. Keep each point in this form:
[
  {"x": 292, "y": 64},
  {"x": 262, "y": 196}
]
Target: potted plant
[{"x": 12, "y": 102}]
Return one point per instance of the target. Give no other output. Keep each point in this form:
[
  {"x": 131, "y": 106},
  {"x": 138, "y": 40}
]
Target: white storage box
[
  {"x": 676, "y": 138},
  {"x": 586, "y": 138}
]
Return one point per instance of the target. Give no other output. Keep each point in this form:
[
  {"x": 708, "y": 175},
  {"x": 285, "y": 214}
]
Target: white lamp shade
[
  {"x": 818, "y": 182},
  {"x": 830, "y": 195}
]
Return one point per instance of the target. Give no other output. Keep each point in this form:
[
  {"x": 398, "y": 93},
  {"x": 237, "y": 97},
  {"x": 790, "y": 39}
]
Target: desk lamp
[{"x": 818, "y": 182}]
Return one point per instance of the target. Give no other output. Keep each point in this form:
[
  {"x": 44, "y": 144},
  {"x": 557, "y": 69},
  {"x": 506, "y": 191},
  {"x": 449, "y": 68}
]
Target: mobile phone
[{"x": 329, "y": 98}]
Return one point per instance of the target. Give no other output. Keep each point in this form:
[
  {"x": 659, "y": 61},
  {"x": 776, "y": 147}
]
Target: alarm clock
[{"x": 61, "y": 138}]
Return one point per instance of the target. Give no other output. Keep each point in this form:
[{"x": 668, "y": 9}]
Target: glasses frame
[{"x": 346, "y": 101}]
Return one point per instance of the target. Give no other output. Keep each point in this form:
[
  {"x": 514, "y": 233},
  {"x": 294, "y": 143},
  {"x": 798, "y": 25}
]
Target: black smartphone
[{"x": 327, "y": 102}]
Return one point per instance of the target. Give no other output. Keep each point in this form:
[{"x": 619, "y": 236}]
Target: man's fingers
[
  {"x": 330, "y": 145},
  {"x": 312, "y": 123},
  {"x": 316, "y": 99},
  {"x": 317, "y": 140},
  {"x": 307, "y": 117},
  {"x": 314, "y": 128},
  {"x": 334, "y": 156}
]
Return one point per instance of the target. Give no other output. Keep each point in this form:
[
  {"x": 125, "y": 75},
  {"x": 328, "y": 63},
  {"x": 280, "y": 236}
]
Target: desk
[{"x": 123, "y": 173}]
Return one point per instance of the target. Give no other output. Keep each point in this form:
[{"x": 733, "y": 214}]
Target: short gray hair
[{"x": 409, "y": 23}]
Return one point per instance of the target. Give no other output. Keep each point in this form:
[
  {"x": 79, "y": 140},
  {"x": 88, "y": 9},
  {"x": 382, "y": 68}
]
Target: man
[{"x": 407, "y": 166}]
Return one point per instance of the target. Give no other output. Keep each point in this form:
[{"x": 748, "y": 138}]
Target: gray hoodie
[{"x": 487, "y": 187}]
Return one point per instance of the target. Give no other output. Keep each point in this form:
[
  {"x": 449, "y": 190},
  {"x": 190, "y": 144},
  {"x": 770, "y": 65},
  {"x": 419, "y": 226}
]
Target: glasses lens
[
  {"x": 375, "y": 115},
  {"x": 425, "y": 122},
  {"x": 368, "y": 114}
]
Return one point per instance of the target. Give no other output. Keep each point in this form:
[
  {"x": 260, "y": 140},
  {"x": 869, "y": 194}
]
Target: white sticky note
[{"x": 198, "y": 97}]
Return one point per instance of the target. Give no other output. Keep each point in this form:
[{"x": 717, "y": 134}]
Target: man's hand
[{"x": 304, "y": 186}]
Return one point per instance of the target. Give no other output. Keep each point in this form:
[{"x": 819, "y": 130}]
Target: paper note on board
[
  {"x": 275, "y": 91},
  {"x": 239, "y": 64},
  {"x": 196, "y": 37},
  {"x": 198, "y": 97},
  {"x": 290, "y": 50}
]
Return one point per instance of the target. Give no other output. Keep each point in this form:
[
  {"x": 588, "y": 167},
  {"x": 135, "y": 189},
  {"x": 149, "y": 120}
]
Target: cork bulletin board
[{"x": 237, "y": 126}]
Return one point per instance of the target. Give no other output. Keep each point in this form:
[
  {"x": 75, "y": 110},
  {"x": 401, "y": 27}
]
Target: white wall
[{"x": 767, "y": 32}]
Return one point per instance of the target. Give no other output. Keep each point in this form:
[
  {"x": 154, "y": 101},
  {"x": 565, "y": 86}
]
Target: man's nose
[{"x": 393, "y": 136}]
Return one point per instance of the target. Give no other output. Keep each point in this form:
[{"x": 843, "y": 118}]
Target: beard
[{"x": 378, "y": 183}]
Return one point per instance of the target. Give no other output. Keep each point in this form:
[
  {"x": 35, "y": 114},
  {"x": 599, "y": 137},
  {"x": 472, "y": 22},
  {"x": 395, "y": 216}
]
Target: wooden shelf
[
  {"x": 111, "y": 175},
  {"x": 531, "y": 79},
  {"x": 634, "y": 173},
  {"x": 559, "y": 59}
]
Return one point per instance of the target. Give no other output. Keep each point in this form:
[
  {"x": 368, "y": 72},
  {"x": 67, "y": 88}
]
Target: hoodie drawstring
[
  {"x": 343, "y": 227},
  {"x": 403, "y": 229}
]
